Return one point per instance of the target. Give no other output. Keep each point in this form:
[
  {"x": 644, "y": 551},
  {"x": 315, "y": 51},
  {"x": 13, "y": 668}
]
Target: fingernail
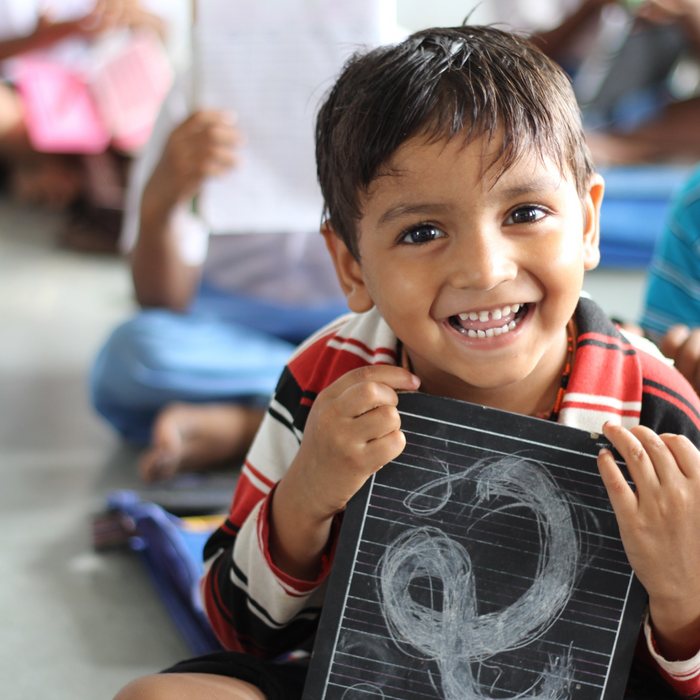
[{"x": 604, "y": 451}]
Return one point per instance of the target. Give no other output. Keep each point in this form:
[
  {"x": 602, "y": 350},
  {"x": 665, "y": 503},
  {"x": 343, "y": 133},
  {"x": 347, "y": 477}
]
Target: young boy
[{"x": 462, "y": 212}]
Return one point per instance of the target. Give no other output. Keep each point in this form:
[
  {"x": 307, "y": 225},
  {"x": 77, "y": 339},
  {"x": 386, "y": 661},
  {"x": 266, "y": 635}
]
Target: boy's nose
[{"x": 482, "y": 261}]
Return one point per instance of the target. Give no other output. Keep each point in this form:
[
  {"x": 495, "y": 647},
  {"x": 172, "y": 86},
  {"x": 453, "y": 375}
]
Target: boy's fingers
[
  {"x": 621, "y": 495},
  {"x": 397, "y": 378},
  {"x": 685, "y": 453},
  {"x": 649, "y": 461},
  {"x": 662, "y": 461},
  {"x": 634, "y": 454},
  {"x": 360, "y": 398},
  {"x": 382, "y": 450},
  {"x": 377, "y": 423}
]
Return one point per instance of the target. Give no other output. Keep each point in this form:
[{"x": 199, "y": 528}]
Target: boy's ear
[
  {"x": 591, "y": 229},
  {"x": 349, "y": 272}
]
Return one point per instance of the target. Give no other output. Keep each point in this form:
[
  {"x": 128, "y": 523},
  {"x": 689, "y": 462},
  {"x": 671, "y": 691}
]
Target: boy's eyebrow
[
  {"x": 408, "y": 209},
  {"x": 541, "y": 183},
  {"x": 537, "y": 184}
]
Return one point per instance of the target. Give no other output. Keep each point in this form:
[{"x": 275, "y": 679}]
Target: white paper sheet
[{"x": 271, "y": 62}]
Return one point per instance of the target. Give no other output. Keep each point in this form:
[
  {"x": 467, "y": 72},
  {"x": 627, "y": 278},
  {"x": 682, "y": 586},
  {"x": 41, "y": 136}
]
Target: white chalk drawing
[
  {"x": 452, "y": 633},
  {"x": 364, "y": 691}
]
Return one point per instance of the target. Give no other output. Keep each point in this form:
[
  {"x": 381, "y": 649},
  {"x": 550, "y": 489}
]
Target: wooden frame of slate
[{"x": 484, "y": 562}]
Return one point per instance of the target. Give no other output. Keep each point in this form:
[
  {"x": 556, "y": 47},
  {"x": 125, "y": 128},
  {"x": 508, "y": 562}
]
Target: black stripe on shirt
[
  {"x": 606, "y": 346},
  {"x": 674, "y": 394},
  {"x": 288, "y": 392}
]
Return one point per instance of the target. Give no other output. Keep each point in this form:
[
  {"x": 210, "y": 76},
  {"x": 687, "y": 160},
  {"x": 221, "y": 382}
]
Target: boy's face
[{"x": 477, "y": 276}]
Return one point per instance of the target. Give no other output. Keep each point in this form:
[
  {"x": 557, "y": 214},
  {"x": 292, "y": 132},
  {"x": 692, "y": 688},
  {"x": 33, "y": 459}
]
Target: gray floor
[
  {"x": 74, "y": 624},
  {"x": 77, "y": 625}
]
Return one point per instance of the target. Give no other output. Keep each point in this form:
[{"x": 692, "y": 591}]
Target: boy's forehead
[{"x": 480, "y": 156}]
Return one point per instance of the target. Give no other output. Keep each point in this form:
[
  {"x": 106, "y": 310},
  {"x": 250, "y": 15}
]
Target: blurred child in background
[{"x": 191, "y": 374}]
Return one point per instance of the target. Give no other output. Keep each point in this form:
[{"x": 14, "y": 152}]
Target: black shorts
[{"x": 277, "y": 681}]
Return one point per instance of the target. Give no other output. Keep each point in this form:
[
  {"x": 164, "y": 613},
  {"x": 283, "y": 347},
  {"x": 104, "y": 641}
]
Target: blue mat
[
  {"x": 171, "y": 548},
  {"x": 634, "y": 211}
]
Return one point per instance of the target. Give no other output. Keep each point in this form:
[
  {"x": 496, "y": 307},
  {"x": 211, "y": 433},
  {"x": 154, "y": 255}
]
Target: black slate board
[{"x": 484, "y": 562}]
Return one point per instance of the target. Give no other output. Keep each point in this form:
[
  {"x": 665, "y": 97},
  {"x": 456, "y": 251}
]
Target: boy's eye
[
  {"x": 526, "y": 215},
  {"x": 422, "y": 234}
]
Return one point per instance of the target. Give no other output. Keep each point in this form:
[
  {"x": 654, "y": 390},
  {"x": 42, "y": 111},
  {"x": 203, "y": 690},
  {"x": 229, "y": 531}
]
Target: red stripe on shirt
[
  {"x": 259, "y": 475},
  {"x": 321, "y": 365},
  {"x": 245, "y": 498},
  {"x": 365, "y": 348},
  {"x": 602, "y": 371}
]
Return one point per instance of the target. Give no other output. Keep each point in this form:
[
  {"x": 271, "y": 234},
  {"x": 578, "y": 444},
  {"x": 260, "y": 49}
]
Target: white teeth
[{"x": 485, "y": 316}]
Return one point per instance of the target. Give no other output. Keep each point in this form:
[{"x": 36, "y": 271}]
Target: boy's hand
[
  {"x": 659, "y": 525},
  {"x": 352, "y": 431},
  {"x": 682, "y": 345},
  {"x": 202, "y": 146}
]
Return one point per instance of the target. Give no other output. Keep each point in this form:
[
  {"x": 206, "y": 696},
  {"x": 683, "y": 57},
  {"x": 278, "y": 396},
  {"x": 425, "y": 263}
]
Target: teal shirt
[{"x": 673, "y": 288}]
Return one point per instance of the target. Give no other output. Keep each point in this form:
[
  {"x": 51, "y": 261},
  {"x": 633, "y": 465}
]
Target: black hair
[{"x": 437, "y": 83}]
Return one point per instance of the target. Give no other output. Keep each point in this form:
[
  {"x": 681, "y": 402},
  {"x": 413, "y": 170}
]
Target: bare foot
[{"x": 198, "y": 437}]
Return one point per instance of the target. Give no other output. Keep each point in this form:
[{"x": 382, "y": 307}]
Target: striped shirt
[{"x": 256, "y": 608}]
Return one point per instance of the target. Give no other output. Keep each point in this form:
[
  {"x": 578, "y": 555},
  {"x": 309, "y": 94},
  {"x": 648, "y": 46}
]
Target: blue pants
[{"x": 226, "y": 348}]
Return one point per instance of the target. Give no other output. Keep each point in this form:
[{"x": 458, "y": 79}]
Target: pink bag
[
  {"x": 59, "y": 111},
  {"x": 65, "y": 114},
  {"x": 130, "y": 88}
]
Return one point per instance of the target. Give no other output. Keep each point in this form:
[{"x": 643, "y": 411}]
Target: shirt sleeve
[
  {"x": 682, "y": 676},
  {"x": 252, "y": 605}
]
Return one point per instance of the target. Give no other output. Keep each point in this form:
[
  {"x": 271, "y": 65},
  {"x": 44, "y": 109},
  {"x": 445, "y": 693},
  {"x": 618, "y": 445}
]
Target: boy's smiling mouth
[{"x": 491, "y": 322}]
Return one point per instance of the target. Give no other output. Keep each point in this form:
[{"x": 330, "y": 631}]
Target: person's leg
[
  {"x": 225, "y": 675},
  {"x": 196, "y": 437},
  {"x": 189, "y": 686},
  {"x": 160, "y": 357},
  {"x": 187, "y": 384},
  {"x": 288, "y": 322}
]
